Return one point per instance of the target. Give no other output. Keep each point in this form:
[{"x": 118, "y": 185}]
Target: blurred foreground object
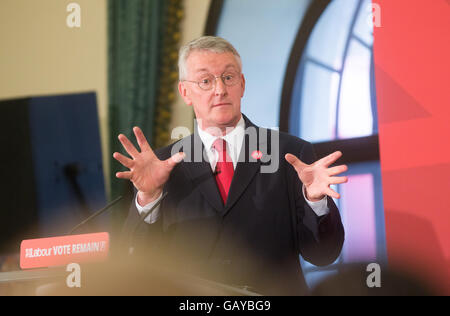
[
  {"x": 128, "y": 276},
  {"x": 52, "y": 166},
  {"x": 352, "y": 281}
]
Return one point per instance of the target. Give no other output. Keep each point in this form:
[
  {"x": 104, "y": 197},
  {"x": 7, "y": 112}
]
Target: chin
[{"x": 226, "y": 120}]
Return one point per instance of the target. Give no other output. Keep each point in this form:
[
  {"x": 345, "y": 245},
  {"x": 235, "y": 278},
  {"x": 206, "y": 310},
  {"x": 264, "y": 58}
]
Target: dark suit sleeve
[
  {"x": 319, "y": 239},
  {"x": 138, "y": 234}
]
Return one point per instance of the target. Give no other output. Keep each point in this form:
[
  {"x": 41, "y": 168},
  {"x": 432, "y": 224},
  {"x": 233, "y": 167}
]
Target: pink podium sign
[{"x": 58, "y": 251}]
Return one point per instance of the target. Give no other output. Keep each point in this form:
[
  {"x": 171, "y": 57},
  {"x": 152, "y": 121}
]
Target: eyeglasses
[{"x": 208, "y": 81}]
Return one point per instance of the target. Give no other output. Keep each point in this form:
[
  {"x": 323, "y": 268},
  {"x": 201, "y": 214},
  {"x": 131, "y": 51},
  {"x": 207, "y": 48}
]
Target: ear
[
  {"x": 243, "y": 85},
  {"x": 182, "y": 89}
]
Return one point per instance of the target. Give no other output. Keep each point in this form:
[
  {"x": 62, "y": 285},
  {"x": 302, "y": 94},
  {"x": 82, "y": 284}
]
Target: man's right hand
[{"x": 147, "y": 172}]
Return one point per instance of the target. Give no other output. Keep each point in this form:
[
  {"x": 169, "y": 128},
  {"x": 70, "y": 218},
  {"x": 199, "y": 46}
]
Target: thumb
[
  {"x": 175, "y": 159},
  {"x": 295, "y": 162}
]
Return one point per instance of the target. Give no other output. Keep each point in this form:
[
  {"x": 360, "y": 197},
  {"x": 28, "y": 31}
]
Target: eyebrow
[{"x": 206, "y": 70}]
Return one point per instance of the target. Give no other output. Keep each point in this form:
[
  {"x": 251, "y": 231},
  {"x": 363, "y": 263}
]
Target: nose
[{"x": 220, "y": 88}]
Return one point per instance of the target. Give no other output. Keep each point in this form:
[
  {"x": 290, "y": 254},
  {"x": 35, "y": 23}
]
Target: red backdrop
[{"x": 412, "y": 70}]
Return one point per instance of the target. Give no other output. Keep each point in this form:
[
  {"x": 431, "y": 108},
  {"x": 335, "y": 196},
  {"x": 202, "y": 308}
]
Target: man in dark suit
[{"x": 242, "y": 202}]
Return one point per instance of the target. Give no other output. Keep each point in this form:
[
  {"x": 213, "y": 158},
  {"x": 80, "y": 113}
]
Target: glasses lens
[
  {"x": 206, "y": 82},
  {"x": 230, "y": 78}
]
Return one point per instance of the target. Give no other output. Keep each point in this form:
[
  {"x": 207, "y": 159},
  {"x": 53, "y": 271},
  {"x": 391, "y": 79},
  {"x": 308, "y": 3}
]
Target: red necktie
[{"x": 224, "y": 169}]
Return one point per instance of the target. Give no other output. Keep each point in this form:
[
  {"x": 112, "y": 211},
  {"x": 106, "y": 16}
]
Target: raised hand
[
  {"x": 147, "y": 172},
  {"x": 318, "y": 177}
]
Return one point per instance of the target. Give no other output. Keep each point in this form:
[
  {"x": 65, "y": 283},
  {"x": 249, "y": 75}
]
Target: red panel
[{"x": 412, "y": 70}]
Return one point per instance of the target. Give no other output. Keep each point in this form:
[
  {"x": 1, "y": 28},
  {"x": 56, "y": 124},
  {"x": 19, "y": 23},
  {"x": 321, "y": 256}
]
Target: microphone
[
  {"x": 142, "y": 219},
  {"x": 216, "y": 171},
  {"x": 95, "y": 215}
]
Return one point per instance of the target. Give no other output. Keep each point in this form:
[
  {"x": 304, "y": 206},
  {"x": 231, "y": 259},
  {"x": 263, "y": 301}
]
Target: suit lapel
[
  {"x": 246, "y": 168},
  {"x": 198, "y": 169}
]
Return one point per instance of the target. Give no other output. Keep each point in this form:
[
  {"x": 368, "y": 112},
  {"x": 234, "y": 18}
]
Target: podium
[
  {"x": 29, "y": 282},
  {"x": 100, "y": 280},
  {"x": 49, "y": 269}
]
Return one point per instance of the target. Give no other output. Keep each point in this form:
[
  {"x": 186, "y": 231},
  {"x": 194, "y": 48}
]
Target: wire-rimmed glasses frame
[{"x": 208, "y": 81}]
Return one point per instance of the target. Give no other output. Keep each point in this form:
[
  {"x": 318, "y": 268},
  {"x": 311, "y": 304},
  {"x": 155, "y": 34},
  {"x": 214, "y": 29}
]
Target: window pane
[
  {"x": 328, "y": 39},
  {"x": 355, "y": 111},
  {"x": 263, "y": 32},
  {"x": 364, "y": 24},
  {"x": 318, "y": 104},
  {"x": 358, "y": 216},
  {"x": 362, "y": 212},
  {"x": 315, "y": 278}
]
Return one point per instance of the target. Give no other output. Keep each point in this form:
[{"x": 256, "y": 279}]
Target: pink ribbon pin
[{"x": 256, "y": 154}]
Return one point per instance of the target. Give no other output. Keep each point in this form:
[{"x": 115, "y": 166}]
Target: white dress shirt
[{"x": 234, "y": 140}]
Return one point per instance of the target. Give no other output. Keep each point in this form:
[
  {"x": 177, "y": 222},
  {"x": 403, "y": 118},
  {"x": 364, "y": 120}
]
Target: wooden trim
[
  {"x": 353, "y": 150},
  {"x": 313, "y": 14},
  {"x": 215, "y": 9}
]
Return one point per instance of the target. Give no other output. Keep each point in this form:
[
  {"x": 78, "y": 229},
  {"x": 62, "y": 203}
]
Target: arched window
[
  {"x": 331, "y": 102},
  {"x": 333, "y": 93}
]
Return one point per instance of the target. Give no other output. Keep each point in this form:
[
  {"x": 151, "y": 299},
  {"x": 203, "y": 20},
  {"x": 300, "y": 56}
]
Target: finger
[
  {"x": 124, "y": 175},
  {"x": 338, "y": 180},
  {"x": 337, "y": 170},
  {"x": 295, "y": 162},
  {"x": 175, "y": 159},
  {"x": 332, "y": 193},
  {"x": 330, "y": 159},
  {"x": 142, "y": 141},
  {"x": 127, "y": 162},
  {"x": 129, "y": 147}
]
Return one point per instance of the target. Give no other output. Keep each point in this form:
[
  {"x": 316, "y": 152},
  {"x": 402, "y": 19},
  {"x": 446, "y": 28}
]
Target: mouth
[{"x": 221, "y": 104}]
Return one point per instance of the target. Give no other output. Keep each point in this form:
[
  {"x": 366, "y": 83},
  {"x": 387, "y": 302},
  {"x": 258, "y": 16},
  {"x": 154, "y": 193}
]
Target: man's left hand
[{"x": 317, "y": 177}]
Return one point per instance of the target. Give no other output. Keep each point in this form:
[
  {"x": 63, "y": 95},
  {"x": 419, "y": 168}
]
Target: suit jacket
[{"x": 255, "y": 239}]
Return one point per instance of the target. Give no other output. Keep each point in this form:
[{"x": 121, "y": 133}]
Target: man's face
[{"x": 221, "y": 106}]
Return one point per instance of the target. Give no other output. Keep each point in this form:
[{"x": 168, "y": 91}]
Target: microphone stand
[{"x": 95, "y": 215}]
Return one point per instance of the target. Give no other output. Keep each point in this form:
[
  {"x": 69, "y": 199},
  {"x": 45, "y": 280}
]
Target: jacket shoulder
[
  {"x": 164, "y": 153},
  {"x": 291, "y": 139}
]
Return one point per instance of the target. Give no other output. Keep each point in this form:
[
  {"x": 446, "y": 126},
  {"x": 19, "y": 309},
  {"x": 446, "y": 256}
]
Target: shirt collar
[{"x": 234, "y": 138}]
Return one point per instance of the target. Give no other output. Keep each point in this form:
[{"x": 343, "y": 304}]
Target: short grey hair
[{"x": 213, "y": 44}]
